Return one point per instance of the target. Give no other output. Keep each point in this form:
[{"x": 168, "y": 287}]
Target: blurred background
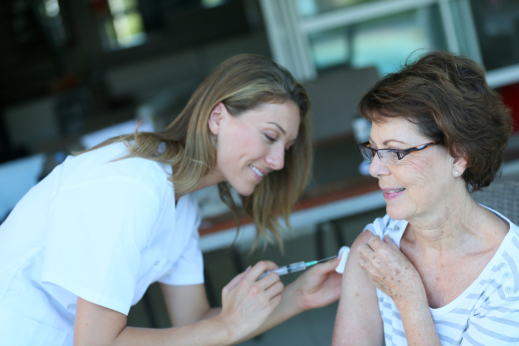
[{"x": 75, "y": 72}]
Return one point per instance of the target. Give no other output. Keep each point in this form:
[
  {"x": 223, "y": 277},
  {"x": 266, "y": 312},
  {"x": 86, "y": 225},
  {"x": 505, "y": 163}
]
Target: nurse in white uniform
[{"x": 84, "y": 244}]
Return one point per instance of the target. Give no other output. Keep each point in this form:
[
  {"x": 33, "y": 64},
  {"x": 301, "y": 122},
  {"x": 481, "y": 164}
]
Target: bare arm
[
  {"x": 246, "y": 305},
  {"x": 358, "y": 320},
  {"x": 186, "y": 304},
  {"x": 97, "y": 325}
]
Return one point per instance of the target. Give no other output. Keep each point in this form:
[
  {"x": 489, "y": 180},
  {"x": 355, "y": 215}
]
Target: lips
[{"x": 392, "y": 193}]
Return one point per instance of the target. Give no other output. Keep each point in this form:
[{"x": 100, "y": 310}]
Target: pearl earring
[{"x": 456, "y": 172}]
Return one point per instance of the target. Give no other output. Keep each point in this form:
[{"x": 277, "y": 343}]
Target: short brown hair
[{"x": 448, "y": 98}]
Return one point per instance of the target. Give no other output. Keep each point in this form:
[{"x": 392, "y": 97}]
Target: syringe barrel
[{"x": 294, "y": 267}]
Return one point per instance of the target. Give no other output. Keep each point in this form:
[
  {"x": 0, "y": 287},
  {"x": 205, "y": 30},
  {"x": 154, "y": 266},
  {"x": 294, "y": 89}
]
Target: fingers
[
  {"x": 276, "y": 300},
  {"x": 274, "y": 290},
  {"x": 236, "y": 280},
  {"x": 390, "y": 242},
  {"x": 268, "y": 280},
  {"x": 271, "y": 265},
  {"x": 326, "y": 267},
  {"x": 375, "y": 242},
  {"x": 259, "y": 268},
  {"x": 366, "y": 252},
  {"x": 375, "y": 249},
  {"x": 270, "y": 283},
  {"x": 365, "y": 264}
]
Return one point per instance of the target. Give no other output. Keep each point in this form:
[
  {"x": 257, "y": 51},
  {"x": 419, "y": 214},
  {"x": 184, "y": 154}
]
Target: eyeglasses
[{"x": 390, "y": 156}]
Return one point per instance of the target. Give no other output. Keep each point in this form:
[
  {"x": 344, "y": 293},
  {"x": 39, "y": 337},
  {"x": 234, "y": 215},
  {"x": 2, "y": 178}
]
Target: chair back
[{"x": 502, "y": 197}]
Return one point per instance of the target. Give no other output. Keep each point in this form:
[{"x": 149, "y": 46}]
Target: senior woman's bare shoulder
[
  {"x": 495, "y": 226},
  {"x": 358, "y": 320},
  {"x": 491, "y": 232},
  {"x": 487, "y": 233}
]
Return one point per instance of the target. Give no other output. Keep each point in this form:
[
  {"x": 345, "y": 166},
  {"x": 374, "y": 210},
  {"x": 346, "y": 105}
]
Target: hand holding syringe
[{"x": 294, "y": 267}]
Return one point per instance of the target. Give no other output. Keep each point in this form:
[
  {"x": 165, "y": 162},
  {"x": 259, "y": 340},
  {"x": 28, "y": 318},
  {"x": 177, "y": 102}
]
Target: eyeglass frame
[{"x": 400, "y": 153}]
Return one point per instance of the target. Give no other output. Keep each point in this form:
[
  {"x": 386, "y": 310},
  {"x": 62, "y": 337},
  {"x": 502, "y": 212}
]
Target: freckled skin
[{"x": 417, "y": 172}]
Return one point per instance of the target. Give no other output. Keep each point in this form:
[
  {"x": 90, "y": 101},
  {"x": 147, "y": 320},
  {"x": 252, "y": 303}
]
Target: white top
[
  {"x": 486, "y": 313},
  {"x": 100, "y": 230},
  {"x": 24, "y": 173}
]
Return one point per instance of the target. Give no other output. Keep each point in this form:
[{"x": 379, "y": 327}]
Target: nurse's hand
[
  {"x": 317, "y": 287},
  {"x": 247, "y": 303}
]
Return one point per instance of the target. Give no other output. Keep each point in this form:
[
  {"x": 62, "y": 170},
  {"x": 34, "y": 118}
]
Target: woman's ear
[
  {"x": 215, "y": 118},
  {"x": 459, "y": 166}
]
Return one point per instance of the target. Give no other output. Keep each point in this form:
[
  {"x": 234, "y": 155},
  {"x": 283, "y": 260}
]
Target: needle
[{"x": 294, "y": 267}]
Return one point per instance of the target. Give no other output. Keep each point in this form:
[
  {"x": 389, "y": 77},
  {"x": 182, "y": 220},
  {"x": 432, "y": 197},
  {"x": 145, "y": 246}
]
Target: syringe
[{"x": 294, "y": 267}]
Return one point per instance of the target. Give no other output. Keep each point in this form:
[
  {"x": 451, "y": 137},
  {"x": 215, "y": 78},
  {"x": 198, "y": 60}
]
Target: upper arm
[
  {"x": 185, "y": 304},
  {"x": 96, "y": 325},
  {"x": 358, "y": 320}
]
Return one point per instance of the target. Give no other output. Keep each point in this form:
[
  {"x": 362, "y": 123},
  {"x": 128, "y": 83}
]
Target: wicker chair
[{"x": 502, "y": 197}]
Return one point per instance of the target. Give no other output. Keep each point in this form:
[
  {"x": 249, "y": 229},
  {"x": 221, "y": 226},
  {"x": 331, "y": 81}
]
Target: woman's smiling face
[
  {"x": 252, "y": 144},
  {"x": 420, "y": 183}
]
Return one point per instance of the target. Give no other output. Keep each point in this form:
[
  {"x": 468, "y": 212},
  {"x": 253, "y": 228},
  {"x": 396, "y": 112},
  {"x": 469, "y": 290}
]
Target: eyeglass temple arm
[{"x": 402, "y": 153}]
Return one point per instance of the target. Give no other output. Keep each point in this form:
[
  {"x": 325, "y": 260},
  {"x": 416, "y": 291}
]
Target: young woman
[{"x": 85, "y": 243}]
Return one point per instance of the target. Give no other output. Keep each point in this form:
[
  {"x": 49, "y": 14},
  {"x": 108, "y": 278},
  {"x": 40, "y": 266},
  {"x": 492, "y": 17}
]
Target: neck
[
  {"x": 212, "y": 178},
  {"x": 452, "y": 223}
]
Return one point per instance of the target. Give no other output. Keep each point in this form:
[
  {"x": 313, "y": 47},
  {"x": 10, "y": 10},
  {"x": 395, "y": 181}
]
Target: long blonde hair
[{"x": 241, "y": 83}]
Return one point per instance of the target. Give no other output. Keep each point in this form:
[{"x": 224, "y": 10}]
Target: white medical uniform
[{"x": 95, "y": 228}]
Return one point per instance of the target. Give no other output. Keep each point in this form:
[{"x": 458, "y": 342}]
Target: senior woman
[{"x": 438, "y": 269}]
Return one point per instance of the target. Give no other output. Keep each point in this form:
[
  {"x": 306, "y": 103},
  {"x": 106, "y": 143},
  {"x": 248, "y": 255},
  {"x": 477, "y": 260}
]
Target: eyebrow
[{"x": 280, "y": 128}]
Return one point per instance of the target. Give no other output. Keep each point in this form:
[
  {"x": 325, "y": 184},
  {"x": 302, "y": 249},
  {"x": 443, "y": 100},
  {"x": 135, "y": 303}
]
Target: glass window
[
  {"x": 497, "y": 26},
  {"x": 384, "y": 42},
  {"x": 124, "y": 28},
  {"x": 309, "y": 8}
]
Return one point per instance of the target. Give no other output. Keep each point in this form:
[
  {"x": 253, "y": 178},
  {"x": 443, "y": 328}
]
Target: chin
[
  {"x": 244, "y": 190},
  {"x": 396, "y": 213}
]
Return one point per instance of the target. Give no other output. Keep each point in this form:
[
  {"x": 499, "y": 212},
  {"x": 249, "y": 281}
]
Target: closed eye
[{"x": 270, "y": 139}]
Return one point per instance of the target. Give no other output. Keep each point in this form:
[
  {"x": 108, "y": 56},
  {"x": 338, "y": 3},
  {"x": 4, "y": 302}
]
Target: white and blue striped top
[{"x": 486, "y": 313}]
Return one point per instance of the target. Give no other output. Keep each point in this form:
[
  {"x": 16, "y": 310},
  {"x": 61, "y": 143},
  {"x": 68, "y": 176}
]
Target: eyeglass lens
[
  {"x": 367, "y": 153},
  {"x": 386, "y": 156}
]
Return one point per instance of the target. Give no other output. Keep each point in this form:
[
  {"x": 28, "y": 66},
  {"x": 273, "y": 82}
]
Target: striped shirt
[{"x": 486, "y": 313}]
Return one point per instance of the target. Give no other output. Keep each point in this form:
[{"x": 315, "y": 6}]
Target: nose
[
  {"x": 276, "y": 158},
  {"x": 378, "y": 169}
]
